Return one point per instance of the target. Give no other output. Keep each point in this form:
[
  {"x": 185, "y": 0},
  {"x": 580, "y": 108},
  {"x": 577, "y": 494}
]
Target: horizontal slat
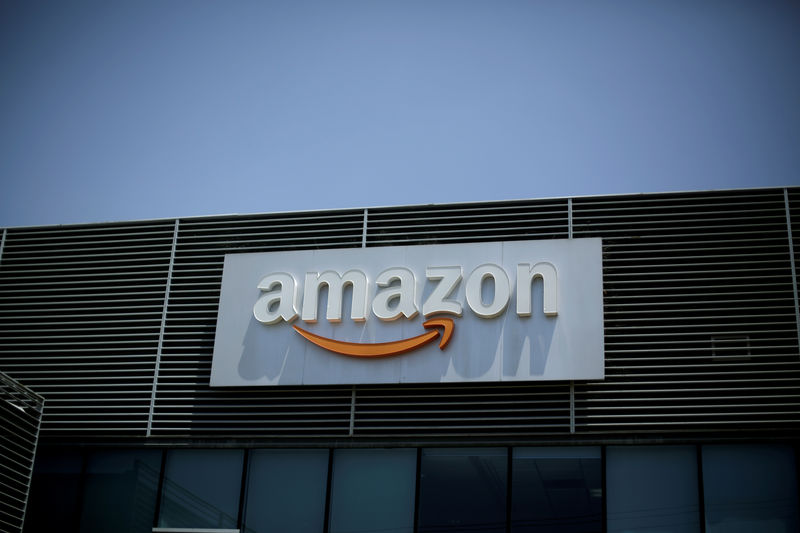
[
  {"x": 80, "y": 309},
  {"x": 680, "y": 270},
  {"x": 20, "y": 416}
]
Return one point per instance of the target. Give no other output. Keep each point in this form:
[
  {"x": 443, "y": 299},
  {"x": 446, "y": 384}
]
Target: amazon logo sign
[
  {"x": 396, "y": 298},
  {"x": 516, "y": 310}
]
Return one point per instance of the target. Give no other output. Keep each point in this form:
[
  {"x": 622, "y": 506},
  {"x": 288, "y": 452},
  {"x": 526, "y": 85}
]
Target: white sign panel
[{"x": 500, "y": 311}]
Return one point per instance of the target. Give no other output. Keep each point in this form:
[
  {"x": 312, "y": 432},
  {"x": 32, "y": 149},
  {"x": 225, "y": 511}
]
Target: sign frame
[{"x": 494, "y": 337}]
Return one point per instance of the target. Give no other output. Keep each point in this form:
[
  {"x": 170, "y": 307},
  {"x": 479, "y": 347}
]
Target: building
[{"x": 693, "y": 425}]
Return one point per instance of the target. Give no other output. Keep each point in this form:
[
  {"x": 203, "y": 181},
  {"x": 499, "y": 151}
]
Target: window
[
  {"x": 557, "y": 490},
  {"x": 201, "y": 489},
  {"x": 373, "y": 490},
  {"x": 648, "y": 489},
  {"x": 463, "y": 489},
  {"x": 53, "y": 500},
  {"x": 750, "y": 488},
  {"x": 652, "y": 489},
  {"x": 120, "y": 491},
  {"x": 286, "y": 491}
]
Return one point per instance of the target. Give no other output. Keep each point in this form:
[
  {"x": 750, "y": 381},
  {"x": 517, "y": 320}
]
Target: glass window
[
  {"x": 120, "y": 491},
  {"x": 557, "y": 490},
  {"x": 286, "y": 491},
  {"x": 463, "y": 489},
  {"x": 652, "y": 489},
  {"x": 373, "y": 490},
  {"x": 201, "y": 489},
  {"x": 53, "y": 498},
  {"x": 750, "y": 488}
]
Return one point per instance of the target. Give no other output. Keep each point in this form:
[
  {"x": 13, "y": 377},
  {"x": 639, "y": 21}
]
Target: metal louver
[
  {"x": 478, "y": 410},
  {"x": 20, "y": 418},
  {"x": 80, "y": 309},
  {"x": 114, "y": 324},
  {"x": 500, "y": 221},
  {"x": 700, "y": 329},
  {"x": 184, "y": 403},
  {"x": 186, "y": 406},
  {"x": 474, "y": 410}
]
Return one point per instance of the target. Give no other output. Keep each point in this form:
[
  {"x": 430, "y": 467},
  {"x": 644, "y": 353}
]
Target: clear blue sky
[{"x": 151, "y": 109}]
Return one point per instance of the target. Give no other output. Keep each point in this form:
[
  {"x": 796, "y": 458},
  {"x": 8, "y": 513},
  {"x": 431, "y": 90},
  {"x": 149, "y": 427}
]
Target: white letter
[
  {"x": 265, "y": 310},
  {"x": 525, "y": 278},
  {"x": 336, "y": 284},
  {"x": 502, "y": 290},
  {"x": 404, "y": 293},
  {"x": 437, "y": 302}
]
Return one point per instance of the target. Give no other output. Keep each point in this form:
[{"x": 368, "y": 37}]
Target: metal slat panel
[
  {"x": 487, "y": 410},
  {"x": 530, "y": 219},
  {"x": 700, "y": 323},
  {"x": 185, "y": 368},
  {"x": 20, "y": 417},
  {"x": 699, "y": 314},
  {"x": 79, "y": 314},
  {"x": 184, "y": 404}
]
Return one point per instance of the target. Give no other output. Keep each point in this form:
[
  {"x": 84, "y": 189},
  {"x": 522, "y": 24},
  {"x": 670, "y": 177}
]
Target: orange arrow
[{"x": 383, "y": 349}]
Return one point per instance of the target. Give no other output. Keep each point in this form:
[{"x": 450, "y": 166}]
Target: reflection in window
[
  {"x": 373, "y": 490},
  {"x": 53, "y": 499},
  {"x": 750, "y": 488},
  {"x": 120, "y": 491},
  {"x": 201, "y": 489},
  {"x": 463, "y": 489},
  {"x": 557, "y": 490},
  {"x": 652, "y": 489},
  {"x": 286, "y": 491}
]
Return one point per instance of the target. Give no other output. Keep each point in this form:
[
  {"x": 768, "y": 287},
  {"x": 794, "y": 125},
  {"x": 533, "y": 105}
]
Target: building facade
[{"x": 693, "y": 426}]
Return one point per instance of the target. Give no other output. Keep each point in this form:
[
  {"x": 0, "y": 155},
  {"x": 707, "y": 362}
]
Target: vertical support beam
[
  {"x": 569, "y": 217},
  {"x": 604, "y": 487},
  {"x": 352, "y": 429},
  {"x": 796, "y": 449},
  {"x": 328, "y": 487},
  {"x": 352, "y": 412},
  {"x": 364, "y": 229},
  {"x": 2, "y": 244},
  {"x": 509, "y": 486},
  {"x": 243, "y": 489},
  {"x": 160, "y": 489},
  {"x": 791, "y": 262},
  {"x": 417, "y": 490},
  {"x": 572, "y": 407},
  {"x": 701, "y": 495},
  {"x": 161, "y": 331},
  {"x": 571, "y": 383}
]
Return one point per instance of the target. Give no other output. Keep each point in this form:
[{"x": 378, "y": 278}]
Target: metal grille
[
  {"x": 20, "y": 418},
  {"x": 501, "y": 221},
  {"x": 185, "y": 405},
  {"x": 473, "y": 410},
  {"x": 487, "y": 410},
  {"x": 700, "y": 330},
  {"x": 80, "y": 309}
]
